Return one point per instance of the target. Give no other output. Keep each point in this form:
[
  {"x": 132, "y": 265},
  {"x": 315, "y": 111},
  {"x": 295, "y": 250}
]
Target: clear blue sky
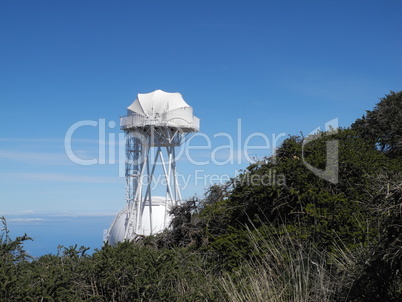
[{"x": 279, "y": 66}]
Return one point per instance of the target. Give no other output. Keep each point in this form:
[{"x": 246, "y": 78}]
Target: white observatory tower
[{"x": 155, "y": 124}]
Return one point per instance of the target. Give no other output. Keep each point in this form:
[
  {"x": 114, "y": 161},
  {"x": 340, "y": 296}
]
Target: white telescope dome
[
  {"x": 157, "y": 103},
  {"x": 160, "y": 109},
  {"x": 160, "y": 219}
]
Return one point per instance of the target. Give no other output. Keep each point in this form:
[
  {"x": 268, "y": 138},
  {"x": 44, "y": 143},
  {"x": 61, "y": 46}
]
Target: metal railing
[{"x": 188, "y": 123}]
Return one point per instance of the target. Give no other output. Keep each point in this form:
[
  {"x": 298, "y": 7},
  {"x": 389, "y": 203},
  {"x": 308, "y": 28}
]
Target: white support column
[
  {"x": 167, "y": 177},
  {"x": 140, "y": 176},
  {"x": 175, "y": 180},
  {"x": 133, "y": 217},
  {"x": 148, "y": 193}
]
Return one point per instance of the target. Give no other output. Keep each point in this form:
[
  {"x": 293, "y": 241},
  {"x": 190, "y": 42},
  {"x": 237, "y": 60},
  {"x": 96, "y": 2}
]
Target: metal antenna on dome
[{"x": 155, "y": 124}]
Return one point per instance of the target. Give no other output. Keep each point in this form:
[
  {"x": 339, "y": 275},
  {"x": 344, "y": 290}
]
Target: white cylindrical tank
[{"x": 118, "y": 227}]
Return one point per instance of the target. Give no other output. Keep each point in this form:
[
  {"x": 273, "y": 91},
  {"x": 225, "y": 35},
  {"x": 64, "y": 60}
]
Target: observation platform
[{"x": 183, "y": 122}]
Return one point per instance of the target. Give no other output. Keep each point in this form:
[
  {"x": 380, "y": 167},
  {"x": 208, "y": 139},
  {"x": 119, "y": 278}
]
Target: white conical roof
[{"x": 157, "y": 103}]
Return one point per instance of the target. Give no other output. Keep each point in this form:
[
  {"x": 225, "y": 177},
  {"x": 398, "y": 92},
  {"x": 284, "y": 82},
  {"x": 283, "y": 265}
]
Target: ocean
[{"x": 48, "y": 232}]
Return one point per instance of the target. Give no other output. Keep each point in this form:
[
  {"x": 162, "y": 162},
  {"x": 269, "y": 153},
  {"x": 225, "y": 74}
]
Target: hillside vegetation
[{"x": 254, "y": 238}]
